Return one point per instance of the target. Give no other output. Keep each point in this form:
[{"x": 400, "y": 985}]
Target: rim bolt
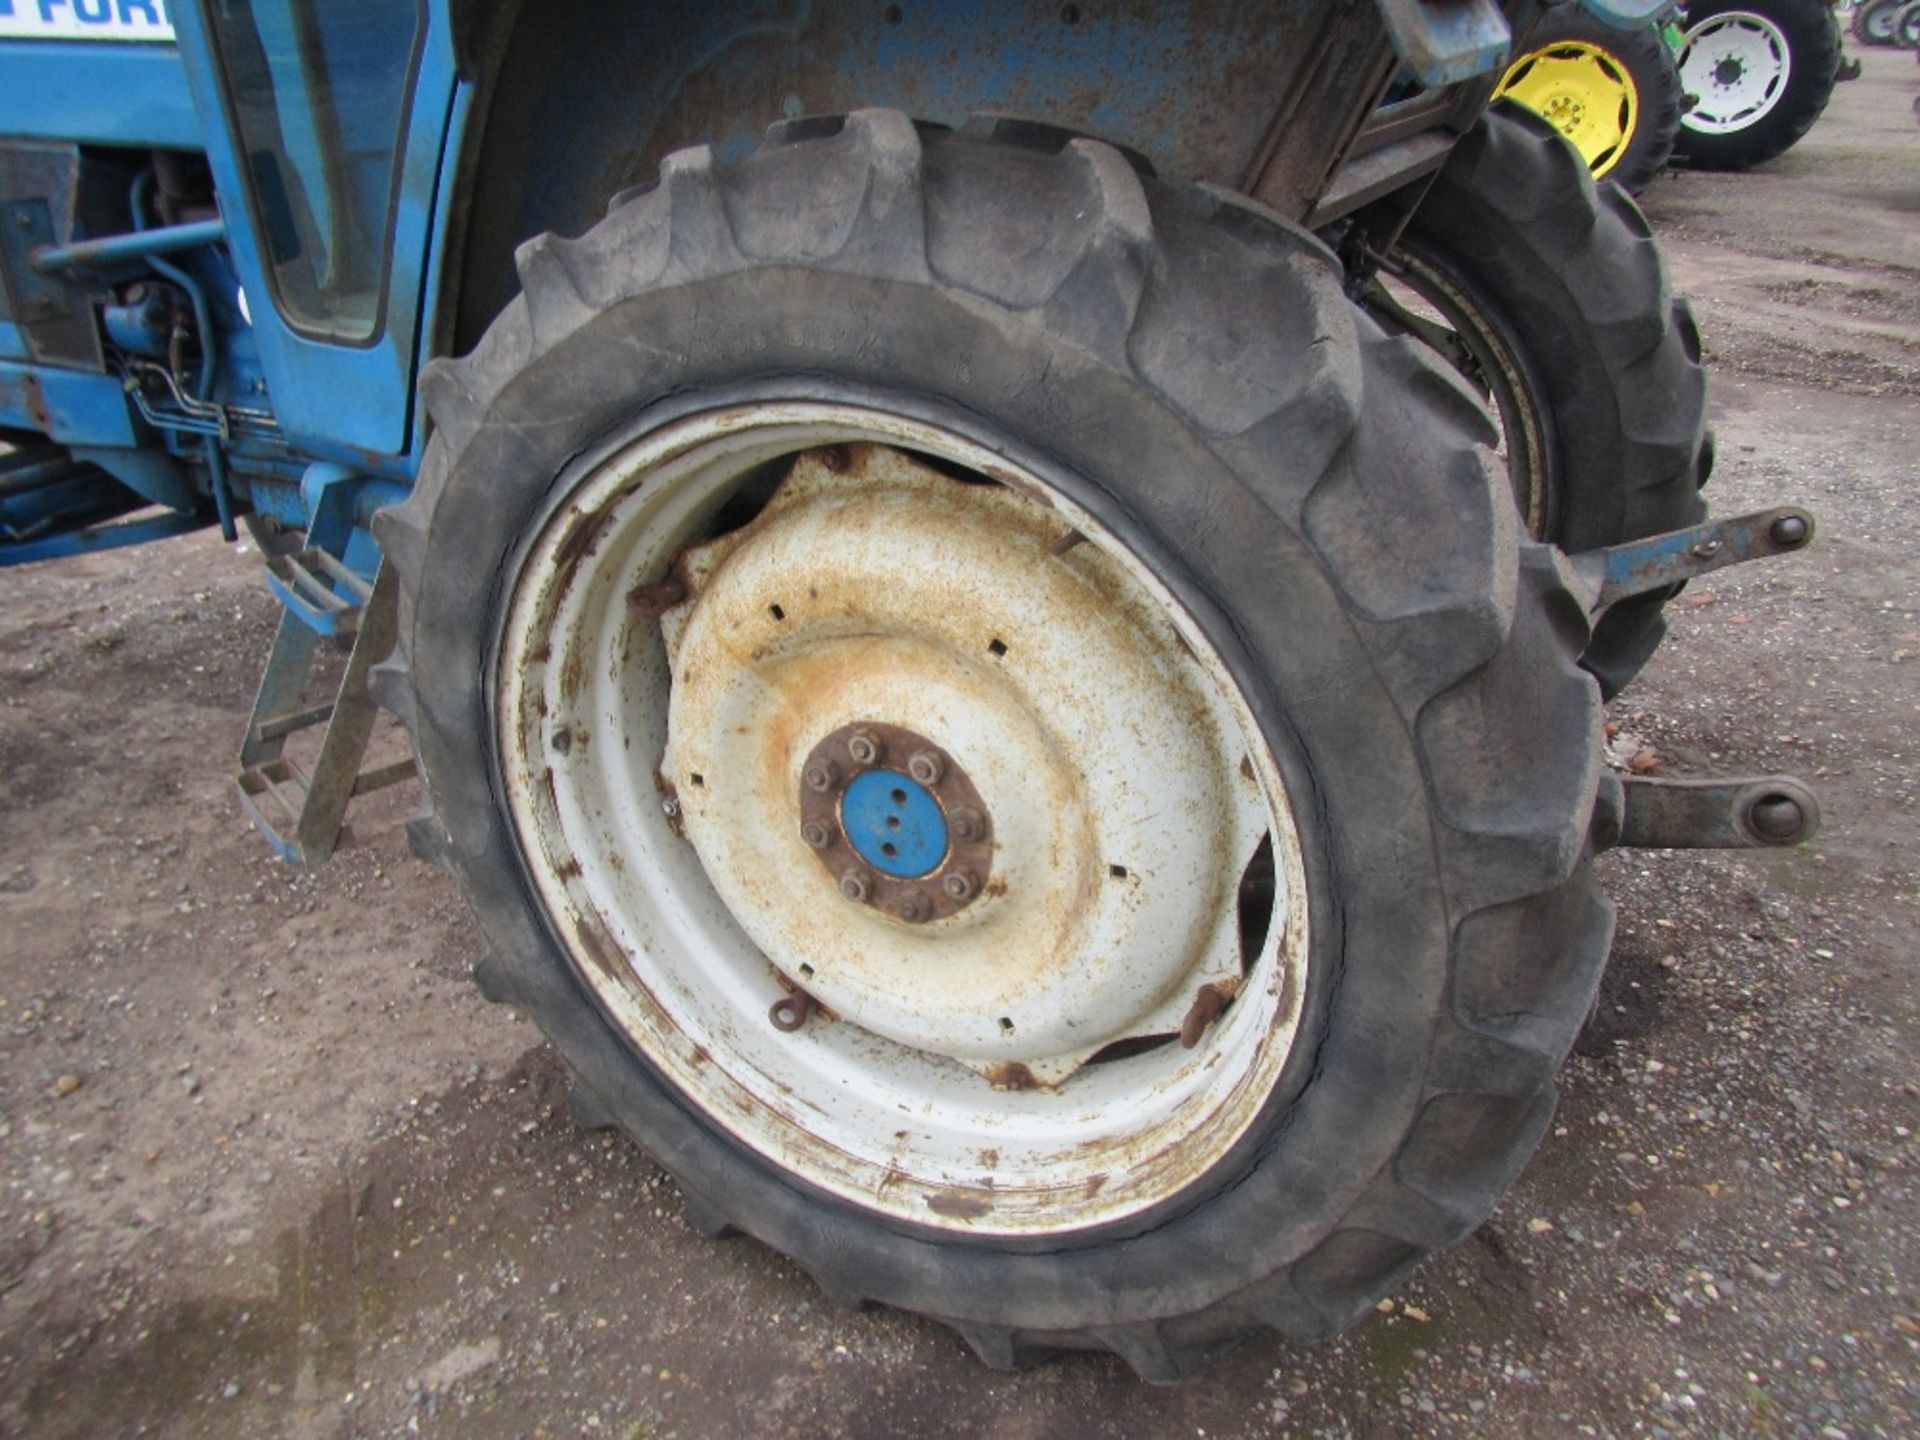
[
  {"x": 913, "y": 907},
  {"x": 958, "y": 885},
  {"x": 925, "y": 767},
  {"x": 865, "y": 748},
  {"x": 855, "y": 886},
  {"x": 820, "y": 775},
  {"x": 816, "y": 834},
  {"x": 965, "y": 826}
]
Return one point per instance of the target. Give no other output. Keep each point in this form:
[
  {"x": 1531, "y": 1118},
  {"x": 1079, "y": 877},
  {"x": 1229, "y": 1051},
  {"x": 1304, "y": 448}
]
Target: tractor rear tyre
[
  {"x": 1238, "y": 909},
  {"x": 1613, "y": 93},
  {"x": 1562, "y": 315},
  {"x": 1761, "y": 72}
]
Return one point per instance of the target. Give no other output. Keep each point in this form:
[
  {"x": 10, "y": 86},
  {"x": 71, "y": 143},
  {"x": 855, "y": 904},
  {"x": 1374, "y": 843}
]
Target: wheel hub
[{"x": 895, "y": 821}]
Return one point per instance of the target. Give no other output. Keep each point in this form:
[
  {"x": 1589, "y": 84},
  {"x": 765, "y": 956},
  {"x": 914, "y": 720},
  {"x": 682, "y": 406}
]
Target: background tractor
[
  {"x": 1721, "y": 84},
  {"x": 1003, "y": 608}
]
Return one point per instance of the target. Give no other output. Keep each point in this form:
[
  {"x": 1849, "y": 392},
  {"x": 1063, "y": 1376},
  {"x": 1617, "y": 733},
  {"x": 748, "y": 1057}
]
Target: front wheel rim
[
  {"x": 1586, "y": 94},
  {"x": 664, "y": 701},
  {"x": 1737, "y": 65}
]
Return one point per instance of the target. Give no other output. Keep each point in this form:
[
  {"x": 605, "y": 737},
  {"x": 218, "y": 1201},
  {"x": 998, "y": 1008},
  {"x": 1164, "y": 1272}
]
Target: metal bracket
[
  {"x": 302, "y": 814},
  {"x": 1750, "y": 813},
  {"x": 54, "y": 317},
  {"x": 1661, "y": 561},
  {"x": 1443, "y": 41}
]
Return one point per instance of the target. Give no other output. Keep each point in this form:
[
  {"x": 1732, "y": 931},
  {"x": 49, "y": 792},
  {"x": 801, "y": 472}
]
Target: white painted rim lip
[
  {"x": 1766, "y": 62},
  {"x": 909, "y": 1132}
]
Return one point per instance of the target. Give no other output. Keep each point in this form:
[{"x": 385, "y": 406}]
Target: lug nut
[
  {"x": 913, "y": 907},
  {"x": 1788, "y": 530},
  {"x": 959, "y": 885},
  {"x": 925, "y": 767},
  {"x": 820, "y": 775},
  {"x": 816, "y": 834},
  {"x": 864, "y": 747},
  {"x": 1776, "y": 817},
  {"x": 855, "y": 886},
  {"x": 966, "y": 826}
]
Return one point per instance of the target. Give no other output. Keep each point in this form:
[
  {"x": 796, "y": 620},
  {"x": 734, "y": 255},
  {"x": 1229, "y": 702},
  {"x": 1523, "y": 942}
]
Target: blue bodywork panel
[
  {"x": 1442, "y": 44},
  {"x": 350, "y": 402},
  {"x": 97, "y": 94},
  {"x": 74, "y": 407}
]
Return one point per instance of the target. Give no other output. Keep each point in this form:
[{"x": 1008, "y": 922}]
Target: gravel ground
[{"x": 268, "y": 1165}]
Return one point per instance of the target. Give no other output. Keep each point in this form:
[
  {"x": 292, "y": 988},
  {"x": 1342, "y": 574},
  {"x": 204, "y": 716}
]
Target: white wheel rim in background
[{"x": 1737, "y": 64}]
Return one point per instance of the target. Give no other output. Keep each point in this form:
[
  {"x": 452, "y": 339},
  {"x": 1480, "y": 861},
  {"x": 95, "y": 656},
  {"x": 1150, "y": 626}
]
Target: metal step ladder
[{"x": 303, "y": 813}]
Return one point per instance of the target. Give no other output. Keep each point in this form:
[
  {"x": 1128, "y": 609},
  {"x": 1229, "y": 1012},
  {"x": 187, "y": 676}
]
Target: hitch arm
[
  {"x": 1660, "y": 561},
  {"x": 1750, "y": 813}
]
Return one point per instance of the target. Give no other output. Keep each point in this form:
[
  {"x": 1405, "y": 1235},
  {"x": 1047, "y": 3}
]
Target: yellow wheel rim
[{"x": 1584, "y": 93}]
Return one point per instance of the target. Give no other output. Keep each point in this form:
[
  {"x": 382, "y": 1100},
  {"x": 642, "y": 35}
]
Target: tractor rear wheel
[
  {"x": 1008, "y": 735},
  {"x": 1762, "y": 72},
  {"x": 1614, "y": 94},
  {"x": 1552, "y": 299}
]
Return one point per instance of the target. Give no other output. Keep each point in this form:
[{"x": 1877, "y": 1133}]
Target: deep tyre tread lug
[
  {"x": 555, "y": 306},
  {"x": 1144, "y": 1347},
  {"x": 1350, "y": 1271},
  {"x": 390, "y": 682},
  {"x": 429, "y": 843},
  {"x": 993, "y": 1345},
  {"x": 495, "y": 980},
  {"x": 703, "y": 1217},
  {"x": 587, "y": 1110},
  {"x": 701, "y": 241},
  {"x": 401, "y": 531}
]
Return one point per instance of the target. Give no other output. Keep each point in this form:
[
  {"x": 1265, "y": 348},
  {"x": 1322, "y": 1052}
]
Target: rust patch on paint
[
  {"x": 1011, "y": 1075},
  {"x": 602, "y": 949},
  {"x": 959, "y": 1207}
]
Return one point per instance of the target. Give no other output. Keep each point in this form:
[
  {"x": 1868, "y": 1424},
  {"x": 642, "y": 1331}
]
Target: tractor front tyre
[
  {"x": 1560, "y": 312},
  {"x": 1614, "y": 94},
  {"x": 1008, "y": 735},
  {"x": 1761, "y": 72}
]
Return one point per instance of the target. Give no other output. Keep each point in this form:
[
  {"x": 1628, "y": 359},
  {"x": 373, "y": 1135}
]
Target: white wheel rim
[
  {"x": 950, "y": 1079},
  {"x": 1738, "y": 65}
]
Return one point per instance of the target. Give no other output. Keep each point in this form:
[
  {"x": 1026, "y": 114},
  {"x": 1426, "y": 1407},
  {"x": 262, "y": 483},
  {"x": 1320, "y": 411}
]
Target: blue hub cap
[{"x": 894, "y": 823}]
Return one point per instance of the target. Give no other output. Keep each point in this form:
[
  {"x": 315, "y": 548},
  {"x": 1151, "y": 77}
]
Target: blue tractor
[{"x": 1003, "y": 608}]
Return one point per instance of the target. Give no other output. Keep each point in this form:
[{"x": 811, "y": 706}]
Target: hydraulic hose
[{"x": 209, "y": 357}]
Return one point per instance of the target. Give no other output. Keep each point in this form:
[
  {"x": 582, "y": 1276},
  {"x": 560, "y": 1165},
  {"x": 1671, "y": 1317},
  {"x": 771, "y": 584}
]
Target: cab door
[{"x": 326, "y": 124}]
